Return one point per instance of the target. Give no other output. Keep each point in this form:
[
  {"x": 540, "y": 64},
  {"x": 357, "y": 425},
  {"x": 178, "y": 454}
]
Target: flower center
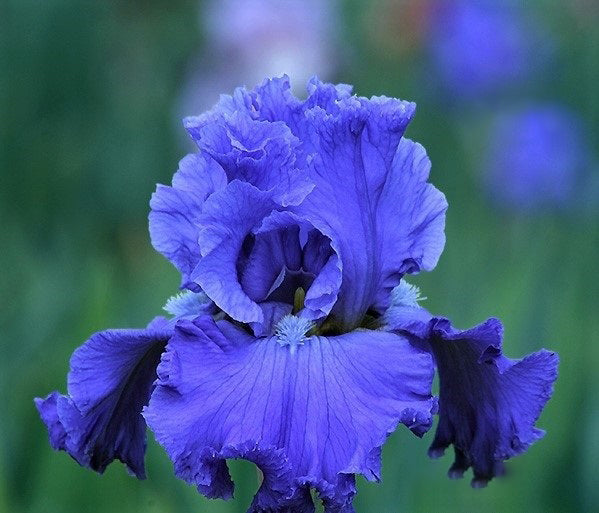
[{"x": 272, "y": 265}]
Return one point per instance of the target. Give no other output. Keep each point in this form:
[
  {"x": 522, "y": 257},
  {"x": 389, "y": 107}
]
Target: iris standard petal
[
  {"x": 371, "y": 191},
  {"x": 227, "y": 218},
  {"x": 411, "y": 221},
  {"x": 261, "y": 153},
  {"x": 175, "y": 211},
  {"x": 320, "y": 410},
  {"x": 488, "y": 404},
  {"x": 109, "y": 383},
  {"x": 273, "y": 101},
  {"x": 341, "y": 163}
]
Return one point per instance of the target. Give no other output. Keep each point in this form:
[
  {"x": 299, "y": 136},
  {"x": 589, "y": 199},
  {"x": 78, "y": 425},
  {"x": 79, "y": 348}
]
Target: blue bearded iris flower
[
  {"x": 297, "y": 343},
  {"x": 482, "y": 47},
  {"x": 537, "y": 158}
]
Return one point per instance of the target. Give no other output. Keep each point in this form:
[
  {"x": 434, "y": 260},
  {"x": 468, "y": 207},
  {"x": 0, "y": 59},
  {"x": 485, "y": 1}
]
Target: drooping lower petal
[
  {"x": 47, "y": 409},
  {"x": 317, "y": 410},
  {"x": 488, "y": 404},
  {"x": 110, "y": 381}
]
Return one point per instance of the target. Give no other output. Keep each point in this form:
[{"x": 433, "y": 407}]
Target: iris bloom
[
  {"x": 537, "y": 158},
  {"x": 482, "y": 47},
  {"x": 297, "y": 344}
]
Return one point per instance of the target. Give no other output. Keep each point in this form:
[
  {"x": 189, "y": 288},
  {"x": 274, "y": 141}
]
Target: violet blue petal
[
  {"x": 371, "y": 192},
  {"x": 272, "y": 252},
  {"x": 258, "y": 152},
  {"x": 110, "y": 381},
  {"x": 319, "y": 261},
  {"x": 228, "y": 216},
  {"x": 317, "y": 413},
  {"x": 488, "y": 404},
  {"x": 47, "y": 409},
  {"x": 370, "y": 197},
  {"x": 175, "y": 211}
]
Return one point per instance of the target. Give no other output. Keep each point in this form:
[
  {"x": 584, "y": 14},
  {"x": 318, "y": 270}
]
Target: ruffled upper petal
[
  {"x": 262, "y": 153},
  {"x": 411, "y": 217},
  {"x": 371, "y": 192},
  {"x": 488, "y": 404},
  {"x": 340, "y": 163},
  {"x": 109, "y": 383},
  {"x": 175, "y": 211},
  {"x": 309, "y": 414},
  {"x": 273, "y": 101}
]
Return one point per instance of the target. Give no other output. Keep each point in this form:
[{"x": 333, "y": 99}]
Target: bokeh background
[{"x": 91, "y": 96}]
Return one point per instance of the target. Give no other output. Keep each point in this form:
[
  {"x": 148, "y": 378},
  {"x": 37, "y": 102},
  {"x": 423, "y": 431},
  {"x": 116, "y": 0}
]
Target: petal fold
[
  {"x": 262, "y": 153},
  {"x": 379, "y": 211},
  {"x": 227, "y": 218}
]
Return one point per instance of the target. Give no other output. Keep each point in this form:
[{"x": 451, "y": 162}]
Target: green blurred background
[{"x": 89, "y": 100}]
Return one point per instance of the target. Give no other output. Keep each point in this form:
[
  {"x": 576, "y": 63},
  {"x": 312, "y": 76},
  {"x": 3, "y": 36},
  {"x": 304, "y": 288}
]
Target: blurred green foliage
[{"x": 87, "y": 129}]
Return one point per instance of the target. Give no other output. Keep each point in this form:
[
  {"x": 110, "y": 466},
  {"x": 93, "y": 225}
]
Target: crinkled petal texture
[
  {"x": 337, "y": 162},
  {"x": 262, "y": 153},
  {"x": 372, "y": 199},
  {"x": 110, "y": 382},
  {"x": 309, "y": 416},
  {"x": 488, "y": 404}
]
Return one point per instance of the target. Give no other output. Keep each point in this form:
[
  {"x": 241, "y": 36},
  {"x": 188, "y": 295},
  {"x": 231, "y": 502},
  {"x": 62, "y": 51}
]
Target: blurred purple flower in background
[
  {"x": 258, "y": 38},
  {"x": 538, "y": 156},
  {"x": 482, "y": 47}
]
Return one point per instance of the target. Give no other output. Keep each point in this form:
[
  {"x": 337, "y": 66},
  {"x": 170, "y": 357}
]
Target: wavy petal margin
[
  {"x": 309, "y": 417},
  {"x": 488, "y": 404}
]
